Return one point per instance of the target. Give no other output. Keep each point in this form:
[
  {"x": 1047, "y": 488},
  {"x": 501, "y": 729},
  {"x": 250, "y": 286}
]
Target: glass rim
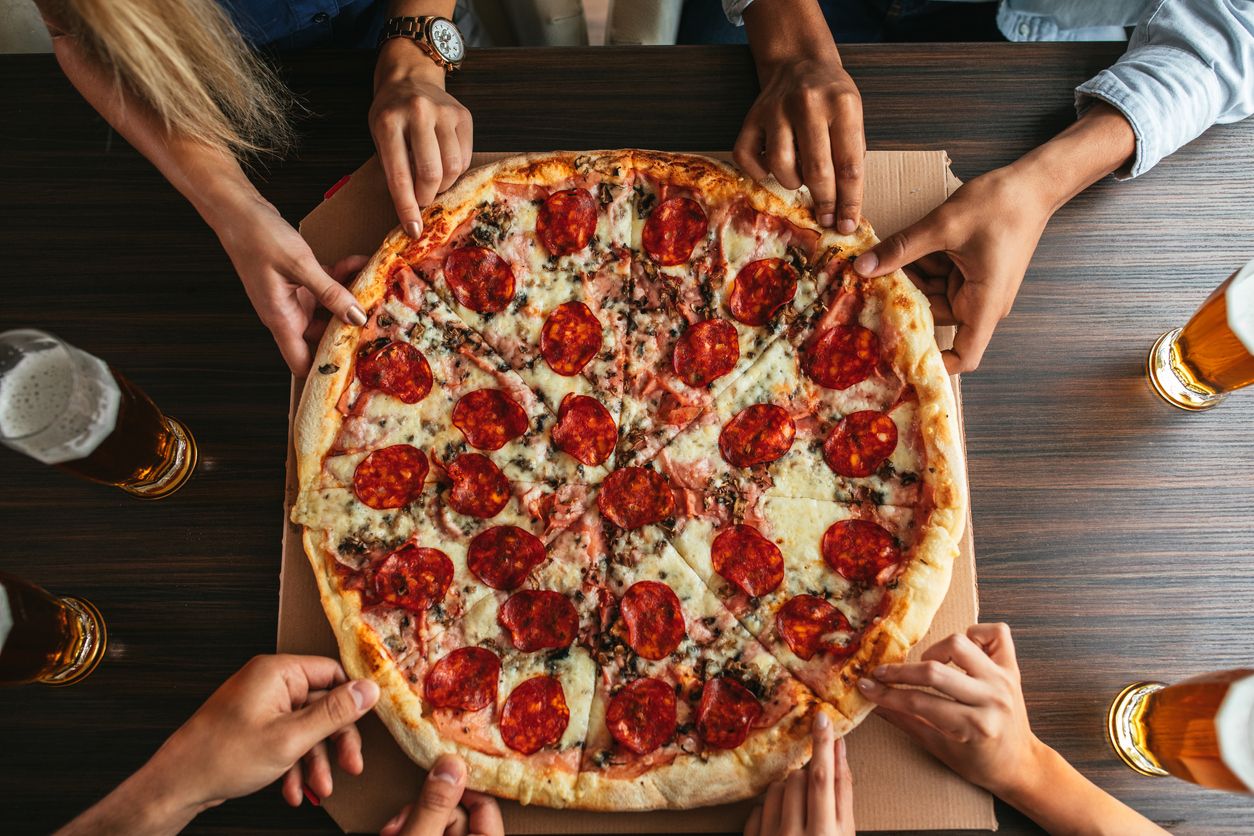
[{"x": 64, "y": 348}]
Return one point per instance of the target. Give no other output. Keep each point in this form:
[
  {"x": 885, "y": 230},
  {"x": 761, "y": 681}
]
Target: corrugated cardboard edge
[{"x": 888, "y": 769}]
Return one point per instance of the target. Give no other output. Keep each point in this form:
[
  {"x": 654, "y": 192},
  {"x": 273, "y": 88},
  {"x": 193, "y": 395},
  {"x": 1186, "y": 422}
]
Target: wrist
[
  {"x": 1099, "y": 143},
  {"x": 400, "y": 59},
  {"x": 1037, "y": 774},
  {"x": 784, "y": 32}
]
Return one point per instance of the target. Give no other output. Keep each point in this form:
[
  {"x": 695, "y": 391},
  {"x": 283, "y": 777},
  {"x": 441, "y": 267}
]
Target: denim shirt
[
  {"x": 293, "y": 24},
  {"x": 1189, "y": 63}
]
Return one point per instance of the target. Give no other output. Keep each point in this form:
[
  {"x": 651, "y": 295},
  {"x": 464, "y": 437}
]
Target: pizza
[{"x": 626, "y": 476}]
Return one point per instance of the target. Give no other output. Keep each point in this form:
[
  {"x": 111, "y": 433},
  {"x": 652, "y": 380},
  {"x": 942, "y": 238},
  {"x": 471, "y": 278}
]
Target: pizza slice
[
  {"x": 535, "y": 260},
  {"x": 718, "y": 274},
  {"x": 835, "y": 391}
]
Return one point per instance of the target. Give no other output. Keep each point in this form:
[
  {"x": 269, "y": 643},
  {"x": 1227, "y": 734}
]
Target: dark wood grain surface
[{"x": 1113, "y": 533}]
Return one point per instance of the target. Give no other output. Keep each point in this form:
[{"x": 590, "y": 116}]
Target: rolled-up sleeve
[
  {"x": 735, "y": 10},
  {"x": 1189, "y": 64}
]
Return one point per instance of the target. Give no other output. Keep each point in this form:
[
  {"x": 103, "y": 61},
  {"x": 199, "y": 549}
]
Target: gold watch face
[{"x": 447, "y": 41}]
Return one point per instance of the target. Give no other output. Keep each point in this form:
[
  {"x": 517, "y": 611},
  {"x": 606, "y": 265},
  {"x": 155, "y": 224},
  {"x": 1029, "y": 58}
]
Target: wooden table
[{"x": 1113, "y": 533}]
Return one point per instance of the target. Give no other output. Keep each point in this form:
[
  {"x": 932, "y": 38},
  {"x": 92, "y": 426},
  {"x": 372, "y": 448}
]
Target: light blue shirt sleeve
[
  {"x": 1189, "y": 64},
  {"x": 735, "y": 10}
]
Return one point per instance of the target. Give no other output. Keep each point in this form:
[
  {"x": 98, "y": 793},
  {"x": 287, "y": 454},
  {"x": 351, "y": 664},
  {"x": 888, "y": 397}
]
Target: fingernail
[
  {"x": 868, "y": 685},
  {"x": 866, "y": 262},
  {"x": 879, "y": 672},
  {"x": 448, "y": 770},
  {"x": 364, "y": 693},
  {"x": 413, "y": 229},
  {"x": 313, "y": 799},
  {"x": 826, "y": 219},
  {"x": 357, "y": 316},
  {"x": 822, "y": 721},
  {"x": 846, "y": 226}
]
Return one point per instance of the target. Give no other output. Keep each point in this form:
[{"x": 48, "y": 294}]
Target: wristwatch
[{"x": 437, "y": 36}]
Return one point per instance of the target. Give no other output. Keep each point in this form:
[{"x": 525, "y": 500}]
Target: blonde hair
[{"x": 188, "y": 61}]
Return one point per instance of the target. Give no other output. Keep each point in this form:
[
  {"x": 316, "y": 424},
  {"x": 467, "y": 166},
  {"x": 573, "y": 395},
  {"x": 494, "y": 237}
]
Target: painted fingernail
[
  {"x": 866, "y": 262},
  {"x": 846, "y": 226},
  {"x": 313, "y": 799},
  {"x": 826, "y": 219},
  {"x": 364, "y": 693},
  {"x": 357, "y": 316},
  {"x": 413, "y": 229},
  {"x": 822, "y": 721},
  {"x": 868, "y": 685},
  {"x": 447, "y": 770}
]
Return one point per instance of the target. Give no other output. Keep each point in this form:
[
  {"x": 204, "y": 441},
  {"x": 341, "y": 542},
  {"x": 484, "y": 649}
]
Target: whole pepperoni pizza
[{"x": 626, "y": 476}]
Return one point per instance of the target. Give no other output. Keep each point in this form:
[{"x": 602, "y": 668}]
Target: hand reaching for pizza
[
  {"x": 284, "y": 280},
  {"x": 423, "y": 135},
  {"x": 446, "y": 808},
  {"x": 815, "y": 801}
]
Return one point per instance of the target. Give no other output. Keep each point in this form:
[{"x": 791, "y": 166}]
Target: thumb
[
  {"x": 439, "y": 798},
  {"x": 902, "y": 248},
  {"x": 342, "y": 707}
]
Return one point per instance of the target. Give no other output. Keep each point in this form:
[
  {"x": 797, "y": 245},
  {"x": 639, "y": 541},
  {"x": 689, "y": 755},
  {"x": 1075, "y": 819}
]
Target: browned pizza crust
[{"x": 687, "y": 781}]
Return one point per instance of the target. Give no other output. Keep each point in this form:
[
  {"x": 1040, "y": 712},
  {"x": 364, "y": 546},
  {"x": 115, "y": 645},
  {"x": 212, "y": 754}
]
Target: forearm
[
  {"x": 209, "y": 178},
  {"x": 1063, "y": 802},
  {"x": 784, "y": 31},
  {"x": 142, "y": 805},
  {"x": 1098, "y": 143},
  {"x": 399, "y": 57}
]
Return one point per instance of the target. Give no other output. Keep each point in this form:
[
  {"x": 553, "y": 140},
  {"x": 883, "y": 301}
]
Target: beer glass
[
  {"x": 1201, "y": 729},
  {"x": 64, "y": 407},
  {"x": 1194, "y": 367},
  {"x": 56, "y": 641}
]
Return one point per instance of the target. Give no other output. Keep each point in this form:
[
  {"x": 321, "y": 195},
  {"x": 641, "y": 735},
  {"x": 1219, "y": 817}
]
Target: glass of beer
[
  {"x": 64, "y": 407},
  {"x": 56, "y": 641},
  {"x": 1196, "y": 366},
  {"x": 1201, "y": 729}
]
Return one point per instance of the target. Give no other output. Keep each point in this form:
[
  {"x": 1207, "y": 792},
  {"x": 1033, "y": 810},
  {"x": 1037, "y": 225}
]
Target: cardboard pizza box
[{"x": 898, "y": 785}]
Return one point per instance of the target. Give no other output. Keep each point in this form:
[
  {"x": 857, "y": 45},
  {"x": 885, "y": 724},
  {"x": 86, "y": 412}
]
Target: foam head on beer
[
  {"x": 57, "y": 403},
  {"x": 1234, "y": 727}
]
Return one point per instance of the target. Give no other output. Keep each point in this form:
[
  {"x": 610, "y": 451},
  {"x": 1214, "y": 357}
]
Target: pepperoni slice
[
  {"x": 413, "y": 578},
  {"x": 534, "y": 715},
  {"x": 746, "y": 558},
  {"x": 860, "y": 443},
  {"x": 726, "y": 712},
  {"x": 539, "y": 619},
  {"x": 642, "y": 716},
  {"x": 861, "y": 551},
  {"x": 761, "y": 288},
  {"x": 390, "y": 477},
  {"x": 654, "y": 619},
  {"x": 480, "y": 489},
  {"x": 673, "y": 229},
  {"x": 757, "y": 434},
  {"x": 503, "y": 556},
  {"x": 566, "y": 221},
  {"x": 489, "y": 418},
  {"x": 805, "y": 620},
  {"x": 631, "y": 497},
  {"x": 570, "y": 338},
  {"x": 464, "y": 679},
  {"x": 479, "y": 278},
  {"x": 842, "y": 356},
  {"x": 397, "y": 369},
  {"x": 706, "y": 351},
  {"x": 585, "y": 430}
]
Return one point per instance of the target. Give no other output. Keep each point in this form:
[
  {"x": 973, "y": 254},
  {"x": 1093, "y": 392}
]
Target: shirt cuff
[
  {"x": 735, "y": 10},
  {"x": 1168, "y": 96}
]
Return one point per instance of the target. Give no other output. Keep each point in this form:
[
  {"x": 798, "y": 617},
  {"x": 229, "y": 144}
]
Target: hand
[
  {"x": 977, "y": 722},
  {"x": 437, "y": 811},
  {"x": 815, "y": 801},
  {"x": 270, "y": 719},
  {"x": 806, "y": 127},
  {"x": 969, "y": 256},
  {"x": 284, "y": 280},
  {"x": 423, "y": 135}
]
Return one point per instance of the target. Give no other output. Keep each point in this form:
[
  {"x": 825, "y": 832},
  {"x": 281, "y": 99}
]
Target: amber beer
[
  {"x": 56, "y": 641},
  {"x": 66, "y": 408},
  {"x": 1201, "y": 729},
  {"x": 1194, "y": 367}
]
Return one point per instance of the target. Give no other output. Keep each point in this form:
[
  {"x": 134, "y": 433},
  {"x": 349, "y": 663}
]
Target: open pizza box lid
[{"x": 898, "y": 785}]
